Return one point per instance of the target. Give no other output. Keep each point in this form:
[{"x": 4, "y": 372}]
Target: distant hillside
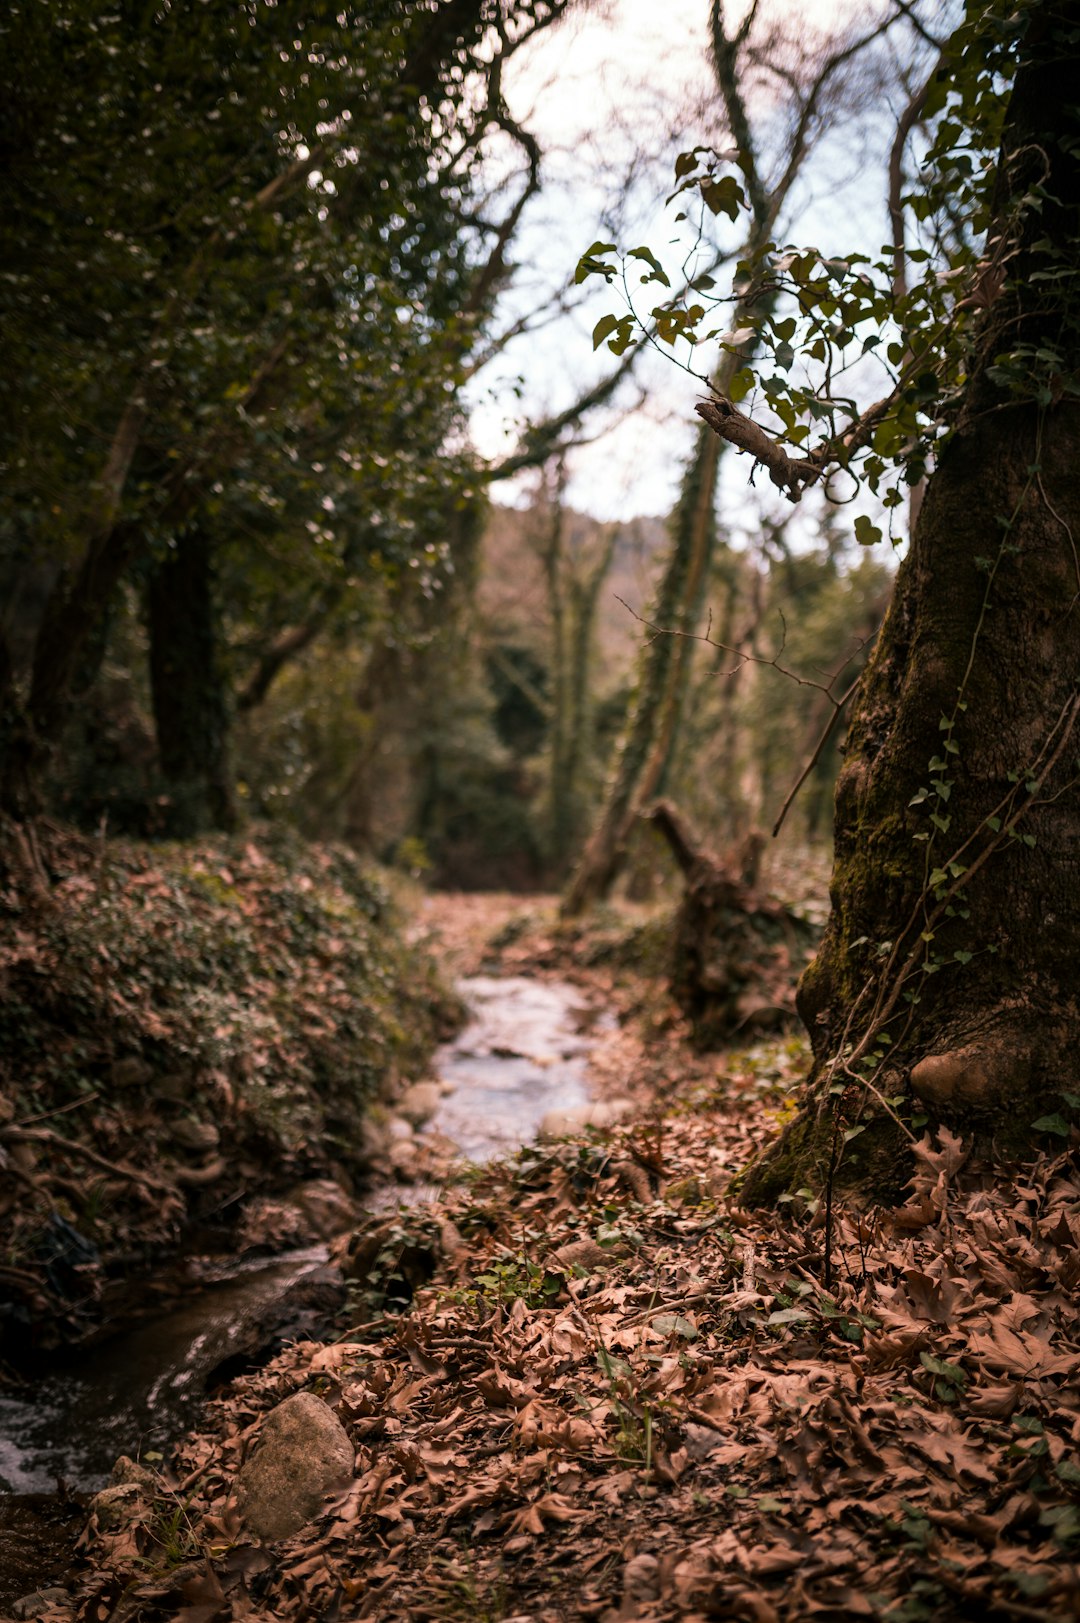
[{"x": 512, "y": 598}]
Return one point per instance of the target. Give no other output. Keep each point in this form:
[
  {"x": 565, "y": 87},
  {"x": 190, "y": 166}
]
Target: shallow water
[
  {"x": 137, "y": 1393},
  {"x": 523, "y": 1054}
]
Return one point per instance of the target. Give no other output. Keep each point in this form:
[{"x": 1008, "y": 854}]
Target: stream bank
[{"x": 522, "y": 1056}]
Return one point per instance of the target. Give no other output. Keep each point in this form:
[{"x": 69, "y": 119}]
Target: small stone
[
  {"x": 179, "y": 1087},
  {"x": 375, "y": 1138},
  {"x": 419, "y": 1102},
  {"x": 32, "y": 1606},
  {"x": 325, "y": 1207},
  {"x": 641, "y": 1578},
  {"x": 403, "y": 1159},
  {"x": 118, "y": 1506},
  {"x": 979, "y": 1075},
  {"x": 399, "y": 1130},
  {"x": 684, "y": 1191},
  {"x": 195, "y": 1135},
  {"x": 583, "y": 1254},
  {"x": 127, "y": 1471},
  {"x": 302, "y": 1455},
  {"x": 131, "y": 1072}
]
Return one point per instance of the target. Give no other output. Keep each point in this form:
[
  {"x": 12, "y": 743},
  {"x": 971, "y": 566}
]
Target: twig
[
  {"x": 62, "y": 1110},
  {"x": 838, "y": 705},
  {"x": 73, "y": 1147}
]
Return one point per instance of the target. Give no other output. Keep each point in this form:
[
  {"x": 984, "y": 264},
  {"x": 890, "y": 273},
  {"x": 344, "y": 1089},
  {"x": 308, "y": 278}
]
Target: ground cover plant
[{"x": 182, "y": 1029}]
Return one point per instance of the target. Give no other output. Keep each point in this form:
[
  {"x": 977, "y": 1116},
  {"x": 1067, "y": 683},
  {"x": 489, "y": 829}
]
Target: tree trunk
[
  {"x": 664, "y": 671},
  {"x": 947, "y": 977},
  {"x": 191, "y": 711},
  {"x": 573, "y": 580}
]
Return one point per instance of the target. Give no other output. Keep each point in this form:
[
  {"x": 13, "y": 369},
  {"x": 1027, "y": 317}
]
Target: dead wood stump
[{"x": 737, "y": 953}]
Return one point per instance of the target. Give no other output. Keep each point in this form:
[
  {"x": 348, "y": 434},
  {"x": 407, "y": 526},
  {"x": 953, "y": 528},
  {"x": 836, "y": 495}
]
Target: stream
[{"x": 523, "y": 1054}]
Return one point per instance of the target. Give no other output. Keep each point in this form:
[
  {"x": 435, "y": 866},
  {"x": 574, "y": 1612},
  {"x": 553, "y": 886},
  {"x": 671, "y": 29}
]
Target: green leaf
[
  {"x": 867, "y": 533},
  {"x": 789, "y": 1315},
  {"x": 741, "y": 384},
  {"x": 650, "y": 259},
  {"x": 606, "y": 325},
  {"x": 1052, "y": 1124}
]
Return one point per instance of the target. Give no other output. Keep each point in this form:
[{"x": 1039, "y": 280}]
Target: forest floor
[{"x": 616, "y": 1394}]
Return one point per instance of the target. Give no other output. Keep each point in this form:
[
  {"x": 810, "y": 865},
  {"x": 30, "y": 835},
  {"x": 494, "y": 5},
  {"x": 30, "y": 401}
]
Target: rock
[
  {"x": 127, "y": 1472},
  {"x": 399, "y": 1131},
  {"x": 118, "y": 1506},
  {"x": 585, "y": 1254},
  {"x": 302, "y": 1455},
  {"x": 684, "y": 1191},
  {"x": 305, "y": 1311},
  {"x": 179, "y": 1087},
  {"x": 419, "y": 1102},
  {"x": 194, "y": 1135},
  {"x": 634, "y": 1178},
  {"x": 196, "y": 1177},
  {"x": 375, "y": 1137},
  {"x": 402, "y": 1159},
  {"x": 641, "y": 1579},
  {"x": 325, "y": 1207},
  {"x": 602, "y": 1113},
  {"x": 32, "y": 1606},
  {"x": 392, "y": 1257}
]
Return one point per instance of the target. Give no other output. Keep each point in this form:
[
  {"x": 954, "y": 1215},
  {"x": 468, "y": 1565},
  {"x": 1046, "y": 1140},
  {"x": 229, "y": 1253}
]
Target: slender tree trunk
[
  {"x": 948, "y": 973},
  {"x": 664, "y": 669},
  {"x": 191, "y": 710},
  {"x": 30, "y": 731}
]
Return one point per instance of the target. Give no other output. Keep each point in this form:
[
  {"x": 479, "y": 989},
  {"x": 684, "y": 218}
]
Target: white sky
[{"x": 620, "y": 74}]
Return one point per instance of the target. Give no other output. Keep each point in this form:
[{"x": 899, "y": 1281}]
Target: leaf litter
[{"x": 621, "y": 1396}]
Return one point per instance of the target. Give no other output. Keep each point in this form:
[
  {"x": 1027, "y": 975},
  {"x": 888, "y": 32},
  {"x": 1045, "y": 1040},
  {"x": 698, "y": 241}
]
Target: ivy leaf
[{"x": 789, "y": 1315}]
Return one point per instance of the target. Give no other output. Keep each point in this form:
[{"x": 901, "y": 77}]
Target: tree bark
[
  {"x": 947, "y": 975},
  {"x": 191, "y": 711}
]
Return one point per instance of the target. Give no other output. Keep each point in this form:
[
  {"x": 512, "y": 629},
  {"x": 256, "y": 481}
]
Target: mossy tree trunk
[
  {"x": 191, "y": 708},
  {"x": 663, "y": 674},
  {"x": 948, "y": 973}
]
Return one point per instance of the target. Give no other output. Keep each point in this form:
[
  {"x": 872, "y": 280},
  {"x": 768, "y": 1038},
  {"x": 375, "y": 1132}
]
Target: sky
[{"x": 619, "y": 76}]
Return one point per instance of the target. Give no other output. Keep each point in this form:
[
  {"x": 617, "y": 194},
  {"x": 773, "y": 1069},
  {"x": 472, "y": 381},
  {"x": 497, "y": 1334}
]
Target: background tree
[{"x": 241, "y": 290}]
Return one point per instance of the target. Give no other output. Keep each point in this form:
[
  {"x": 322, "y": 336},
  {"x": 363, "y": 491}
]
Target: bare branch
[{"x": 789, "y": 474}]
